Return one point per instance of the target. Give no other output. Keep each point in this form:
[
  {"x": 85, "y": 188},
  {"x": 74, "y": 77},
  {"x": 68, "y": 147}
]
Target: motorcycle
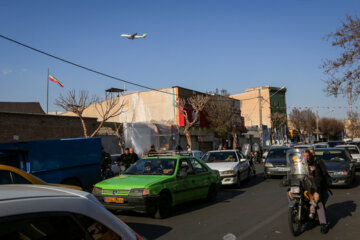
[{"x": 301, "y": 201}]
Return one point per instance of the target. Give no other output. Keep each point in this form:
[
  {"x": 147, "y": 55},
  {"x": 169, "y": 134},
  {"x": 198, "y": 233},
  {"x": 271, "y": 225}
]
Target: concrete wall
[
  {"x": 146, "y": 107},
  {"x": 24, "y": 127},
  {"x": 249, "y": 104}
]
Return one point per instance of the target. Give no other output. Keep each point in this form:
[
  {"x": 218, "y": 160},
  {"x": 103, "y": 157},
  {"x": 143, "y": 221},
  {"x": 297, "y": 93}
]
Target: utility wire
[
  {"x": 83, "y": 67},
  {"x": 91, "y": 70}
]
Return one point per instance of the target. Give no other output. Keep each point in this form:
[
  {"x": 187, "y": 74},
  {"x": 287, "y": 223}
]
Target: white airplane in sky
[{"x": 133, "y": 36}]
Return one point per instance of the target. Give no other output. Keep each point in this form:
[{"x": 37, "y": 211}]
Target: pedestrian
[
  {"x": 125, "y": 159},
  {"x": 134, "y": 157},
  {"x": 152, "y": 149}
]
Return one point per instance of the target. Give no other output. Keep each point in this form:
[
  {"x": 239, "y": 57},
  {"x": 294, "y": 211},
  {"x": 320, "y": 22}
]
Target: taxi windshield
[{"x": 152, "y": 167}]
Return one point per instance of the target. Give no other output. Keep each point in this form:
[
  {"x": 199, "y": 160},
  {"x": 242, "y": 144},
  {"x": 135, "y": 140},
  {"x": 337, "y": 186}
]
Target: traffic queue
[{"x": 152, "y": 185}]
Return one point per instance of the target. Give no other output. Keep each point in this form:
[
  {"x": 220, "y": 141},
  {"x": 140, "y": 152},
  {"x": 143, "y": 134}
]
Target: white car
[
  {"x": 47, "y": 212},
  {"x": 354, "y": 151},
  {"x": 231, "y": 164}
]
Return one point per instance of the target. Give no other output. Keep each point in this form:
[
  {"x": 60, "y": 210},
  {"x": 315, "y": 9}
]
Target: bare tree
[
  {"x": 119, "y": 131},
  {"x": 344, "y": 72},
  {"x": 223, "y": 115},
  {"x": 310, "y": 122},
  {"x": 108, "y": 108},
  {"x": 77, "y": 104},
  {"x": 197, "y": 103},
  {"x": 354, "y": 126},
  {"x": 331, "y": 127},
  {"x": 278, "y": 121},
  {"x": 304, "y": 122}
]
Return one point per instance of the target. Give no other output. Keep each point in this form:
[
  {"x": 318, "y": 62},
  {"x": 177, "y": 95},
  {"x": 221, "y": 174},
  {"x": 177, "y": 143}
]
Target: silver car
[
  {"x": 275, "y": 162},
  {"x": 232, "y": 165},
  {"x": 47, "y": 212},
  {"x": 354, "y": 151}
]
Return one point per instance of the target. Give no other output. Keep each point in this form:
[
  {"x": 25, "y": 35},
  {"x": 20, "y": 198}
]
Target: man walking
[
  {"x": 133, "y": 156},
  {"x": 125, "y": 159}
]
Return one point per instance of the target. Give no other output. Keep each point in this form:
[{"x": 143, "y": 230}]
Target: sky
[{"x": 200, "y": 45}]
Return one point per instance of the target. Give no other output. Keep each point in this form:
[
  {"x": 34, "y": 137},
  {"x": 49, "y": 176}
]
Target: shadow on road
[
  {"x": 223, "y": 196},
  {"x": 338, "y": 211},
  {"x": 149, "y": 231}
]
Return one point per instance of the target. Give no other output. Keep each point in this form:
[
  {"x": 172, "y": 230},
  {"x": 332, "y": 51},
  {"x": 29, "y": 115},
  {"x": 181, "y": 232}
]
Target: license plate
[
  {"x": 113, "y": 200},
  {"x": 282, "y": 169}
]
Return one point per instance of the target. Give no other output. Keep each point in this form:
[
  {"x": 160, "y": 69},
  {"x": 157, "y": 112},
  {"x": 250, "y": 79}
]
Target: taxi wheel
[{"x": 164, "y": 206}]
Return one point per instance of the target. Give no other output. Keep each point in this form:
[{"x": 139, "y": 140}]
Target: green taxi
[{"x": 158, "y": 182}]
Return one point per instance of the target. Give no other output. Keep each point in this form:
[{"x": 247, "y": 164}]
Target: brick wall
[{"x": 38, "y": 127}]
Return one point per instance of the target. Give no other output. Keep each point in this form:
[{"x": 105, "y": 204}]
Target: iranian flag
[{"x": 53, "y": 79}]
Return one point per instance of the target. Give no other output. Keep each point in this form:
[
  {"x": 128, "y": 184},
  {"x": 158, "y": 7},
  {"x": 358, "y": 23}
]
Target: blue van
[{"x": 73, "y": 161}]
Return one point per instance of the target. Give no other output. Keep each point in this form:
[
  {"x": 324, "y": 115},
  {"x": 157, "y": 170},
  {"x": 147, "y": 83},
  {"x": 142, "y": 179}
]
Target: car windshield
[
  {"x": 153, "y": 167},
  {"x": 331, "y": 156},
  {"x": 277, "y": 153},
  {"x": 353, "y": 150},
  {"x": 220, "y": 157}
]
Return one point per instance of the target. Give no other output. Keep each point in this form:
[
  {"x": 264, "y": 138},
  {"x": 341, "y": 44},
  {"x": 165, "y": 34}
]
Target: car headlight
[
  {"x": 139, "y": 191},
  {"x": 97, "y": 191},
  {"x": 341, "y": 173},
  {"x": 295, "y": 190},
  {"x": 268, "y": 164},
  {"x": 229, "y": 172}
]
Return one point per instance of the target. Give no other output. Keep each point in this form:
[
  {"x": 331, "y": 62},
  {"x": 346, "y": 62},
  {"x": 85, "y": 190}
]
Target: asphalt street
[{"x": 258, "y": 210}]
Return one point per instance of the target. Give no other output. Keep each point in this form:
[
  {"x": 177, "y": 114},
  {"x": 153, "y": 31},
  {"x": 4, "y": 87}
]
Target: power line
[{"x": 80, "y": 66}]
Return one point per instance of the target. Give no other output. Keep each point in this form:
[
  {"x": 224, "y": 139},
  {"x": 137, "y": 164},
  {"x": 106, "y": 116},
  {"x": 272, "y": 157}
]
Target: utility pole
[
  {"x": 260, "y": 117},
  {"x": 317, "y": 126}
]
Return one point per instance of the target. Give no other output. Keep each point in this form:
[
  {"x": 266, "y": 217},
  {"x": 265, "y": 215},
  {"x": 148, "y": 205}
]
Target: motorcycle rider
[{"x": 317, "y": 175}]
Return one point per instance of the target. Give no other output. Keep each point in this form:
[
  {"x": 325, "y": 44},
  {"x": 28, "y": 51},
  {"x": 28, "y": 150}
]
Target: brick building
[{"x": 27, "y": 121}]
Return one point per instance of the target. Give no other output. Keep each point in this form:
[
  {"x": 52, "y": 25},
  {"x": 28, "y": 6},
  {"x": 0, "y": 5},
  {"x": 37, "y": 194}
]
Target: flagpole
[{"x": 47, "y": 92}]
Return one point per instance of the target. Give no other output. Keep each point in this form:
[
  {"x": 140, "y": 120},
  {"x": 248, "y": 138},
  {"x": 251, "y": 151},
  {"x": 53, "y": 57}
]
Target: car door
[
  {"x": 201, "y": 179},
  {"x": 184, "y": 184},
  {"x": 243, "y": 165}
]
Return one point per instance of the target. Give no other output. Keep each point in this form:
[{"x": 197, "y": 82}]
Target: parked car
[
  {"x": 354, "y": 151},
  {"x": 13, "y": 175},
  {"x": 197, "y": 153},
  {"x": 334, "y": 143},
  {"x": 339, "y": 164},
  {"x": 47, "y": 212},
  {"x": 232, "y": 165},
  {"x": 303, "y": 146},
  {"x": 158, "y": 182},
  {"x": 275, "y": 162},
  {"x": 320, "y": 145},
  {"x": 114, "y": 166}
]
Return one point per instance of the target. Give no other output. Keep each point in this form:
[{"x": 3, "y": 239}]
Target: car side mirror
[{"x": 242, "y": 160}]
